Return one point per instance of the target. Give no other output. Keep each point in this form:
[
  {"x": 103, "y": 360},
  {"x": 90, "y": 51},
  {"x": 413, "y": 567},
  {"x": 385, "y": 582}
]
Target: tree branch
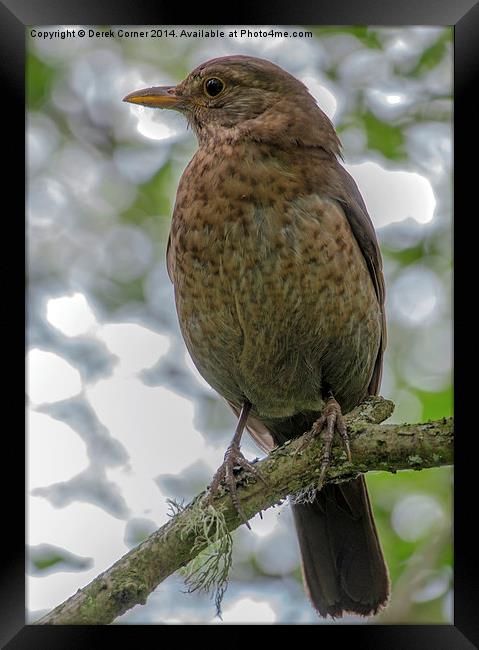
[{"x": 374, "y": 447}]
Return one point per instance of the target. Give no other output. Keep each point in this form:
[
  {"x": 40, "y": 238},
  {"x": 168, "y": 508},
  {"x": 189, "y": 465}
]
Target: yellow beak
[{"x": 155, "y": 97}]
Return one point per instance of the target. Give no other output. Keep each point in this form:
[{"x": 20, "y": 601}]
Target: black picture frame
[{"x": 15, "y": 15}]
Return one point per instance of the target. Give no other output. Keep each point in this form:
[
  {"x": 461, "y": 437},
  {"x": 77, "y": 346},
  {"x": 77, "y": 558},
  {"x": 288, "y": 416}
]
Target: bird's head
[{"x": 241, "y": 97}]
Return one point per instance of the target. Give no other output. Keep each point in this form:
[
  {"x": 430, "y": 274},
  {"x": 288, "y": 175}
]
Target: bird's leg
[
  {"x": 234, "y": 457},
  {"x": 330, "y": 420}
]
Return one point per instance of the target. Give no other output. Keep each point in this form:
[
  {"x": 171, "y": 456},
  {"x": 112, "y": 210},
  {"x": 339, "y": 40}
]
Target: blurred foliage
[
  {"x": 157, "y": 195},
  {"x": 433, "y": 55},
  {"x": 47, "y": 562},
  {"x": 436, "y": 404},
  {"x": 83, "y": 191},
  {"x": 364, "y": 34},
  {"x": 39, "y": 79},
  {"x": 386, "y": 138}
]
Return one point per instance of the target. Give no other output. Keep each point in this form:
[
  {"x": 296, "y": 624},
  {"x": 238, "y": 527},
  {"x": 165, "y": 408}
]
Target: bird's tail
[{"x": 342, "y": 561}]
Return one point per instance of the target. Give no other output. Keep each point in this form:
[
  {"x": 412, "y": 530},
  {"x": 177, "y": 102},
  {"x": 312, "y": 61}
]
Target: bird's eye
[{"x": 213, "y": 86}]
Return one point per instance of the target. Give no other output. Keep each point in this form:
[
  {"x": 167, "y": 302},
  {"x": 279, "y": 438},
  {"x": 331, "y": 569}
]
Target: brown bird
[{"x": 280, "y": 295}]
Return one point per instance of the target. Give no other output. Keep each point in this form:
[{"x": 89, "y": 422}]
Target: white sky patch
[
  {"x": 387, "y": 105},
  {"x": 154, "y": 424},
  {"x": 448, "y": 607},
  {"x": 53, "y": 49},
  {"x": 76, "y": 528},
  {"x": 55, "y": 451},
  {"x": 42, "y": 140},
  {"x": 141, "y": 493},
  {"x": 416, "y": 294},
  {"x": 139, "y": 165},
  {"x": 50, "y": 377},
  {"x": 285, "y": 560},
  {"x": 158, "y": 124},
  {"x": 394, "y": 99},
  {"x": 415, "y": 516},
  {"x": 434, "y": 586},
  {"x": 136, "y": 346},
  {"x": 262, "y": 527},
  {"x": 72, "y": 315},
  {"x": 81, "y": 528},
  {"x": 325, "y": 98},
  {"x": 393, "y": 196},
  {"x": 272, "y": 43},
  {"x": 81, "y": 170},
  {"x": 423, "y": 307},
  {"x": 249, "y": 610}
]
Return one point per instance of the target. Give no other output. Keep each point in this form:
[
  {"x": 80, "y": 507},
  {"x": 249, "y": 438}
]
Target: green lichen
[
  {"x": 174, "y": 507},
  {"x": 209, "y": 570}
]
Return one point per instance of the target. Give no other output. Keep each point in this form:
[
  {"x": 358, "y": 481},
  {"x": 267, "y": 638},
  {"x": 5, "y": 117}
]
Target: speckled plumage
[
  {"x": 271, "y": 285},
  {"x": 280, "y": 292}
]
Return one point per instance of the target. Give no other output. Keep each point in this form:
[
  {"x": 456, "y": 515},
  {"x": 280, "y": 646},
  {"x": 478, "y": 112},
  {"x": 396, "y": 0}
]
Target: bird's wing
[
  {"x": 169, "y": 258},
  {"x": 341, "y": 187},
  {"x": 350, "y": 199}
]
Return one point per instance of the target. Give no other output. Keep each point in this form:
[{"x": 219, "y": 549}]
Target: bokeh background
[{"x": 119, "y": 420}]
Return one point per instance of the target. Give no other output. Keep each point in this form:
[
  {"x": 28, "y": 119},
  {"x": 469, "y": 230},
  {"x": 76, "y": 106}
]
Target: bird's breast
[{"x": 271, "y": 288}]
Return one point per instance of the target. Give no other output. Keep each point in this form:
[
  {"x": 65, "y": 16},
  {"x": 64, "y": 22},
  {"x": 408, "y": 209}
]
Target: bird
[{"x": 280, "y": 295}]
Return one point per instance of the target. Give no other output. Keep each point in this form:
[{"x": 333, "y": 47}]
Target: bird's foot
[
  {"x": 330, "y": 421},
  {"x": 233, "y": 458}
]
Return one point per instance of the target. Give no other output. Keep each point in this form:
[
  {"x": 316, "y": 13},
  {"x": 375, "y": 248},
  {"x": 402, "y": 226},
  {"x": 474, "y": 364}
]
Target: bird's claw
[
  {"x": 233, "y": 458},
  {"x": 330, "y": 420}
]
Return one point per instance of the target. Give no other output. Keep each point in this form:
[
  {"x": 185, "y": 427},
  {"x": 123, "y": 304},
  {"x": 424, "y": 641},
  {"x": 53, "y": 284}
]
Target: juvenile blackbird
[{"x": 280, "y": 295}]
